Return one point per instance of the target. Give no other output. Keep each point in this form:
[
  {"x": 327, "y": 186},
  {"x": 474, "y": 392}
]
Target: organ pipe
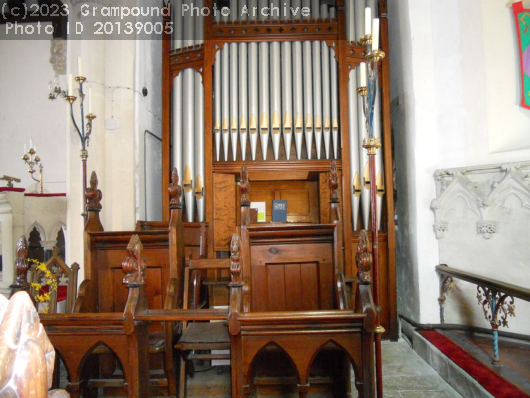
[
  {"x": 308, "y": 91},
  {"x": 317, "y": 82},
  {"x": 334, "y": 97},
  {"x": 176, "y": 123},
  {"x": 275, "y": 86},
  {"x": 326, "y": 85},
  {"x": 243, "y": 90},
  {"x": 264, "y": 98},
  {"x": 188, "y": 147},
  {"x": 253, "y": 88},
  {"x": 298, "y": 93},
  {"x": 287, "y": 91},
  {"x": 234, "y": 98},
  {"x": 199, "y": 147},
  {"x": 225, "y": 103},
  {"x": 361, "y": 120}
]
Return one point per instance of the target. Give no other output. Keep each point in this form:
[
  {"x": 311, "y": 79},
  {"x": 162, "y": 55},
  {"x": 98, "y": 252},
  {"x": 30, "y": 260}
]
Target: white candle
[
  {"x": 90, "y": 100},
  {"x": 79, "y": 67},
  {"x": 25, "y": 149},
  {"x": 363, "y": 74},
  {"x": 30, "y": 143},
  {"x": 375, "y": 34},
  {"x": 70, "y": 85},
  {"x": 367, "y": 20}
]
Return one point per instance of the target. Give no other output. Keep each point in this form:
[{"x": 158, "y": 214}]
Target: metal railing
[{"x": 497, "y": 298}]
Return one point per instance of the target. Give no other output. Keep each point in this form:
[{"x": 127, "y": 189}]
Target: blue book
[{"x": 279, "y": 211}]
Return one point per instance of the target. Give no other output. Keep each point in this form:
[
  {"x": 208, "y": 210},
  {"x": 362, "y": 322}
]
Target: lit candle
[
  {"x": 375, "y": 34},
  {"x": 90, "y": 100},
  {"x": 79, "y": 67},
  {"x": 363, "y": 74},
  {"x": 367, "y": 20},
  {"x": 70, "y": 85}
]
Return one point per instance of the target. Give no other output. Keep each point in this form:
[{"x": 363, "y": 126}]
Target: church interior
[{"x": 250, "y": 198}]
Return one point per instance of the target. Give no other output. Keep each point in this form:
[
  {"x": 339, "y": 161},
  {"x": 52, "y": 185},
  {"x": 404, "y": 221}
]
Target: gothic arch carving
[
  {"x": 39, "y": 228},
  {"x": 260, "y": 350},
  {"x": 511, "y": 185},
  {"x": 459, "y": 187}
]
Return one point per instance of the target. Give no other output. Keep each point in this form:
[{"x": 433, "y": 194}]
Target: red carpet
[{"x": 493, "y": 383}]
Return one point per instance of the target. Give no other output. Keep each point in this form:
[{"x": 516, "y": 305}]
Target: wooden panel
[
  {"x": 276, "y": 287},
  {"x": 292, "y": 277},
  {"x": 309, "y": 283},
  {"x": 302, "y": 198},
  {"x": 293, "y": 287},
  {"x": 260, "y": 292},
  {"x": 324, "y": 195},
  {"x": 298, "y": 200},
  {"x": 224, "y": 192}
]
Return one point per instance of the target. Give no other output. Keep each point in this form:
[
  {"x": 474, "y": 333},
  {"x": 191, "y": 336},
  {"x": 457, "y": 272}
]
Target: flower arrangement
[{"x": 48, "y": 280}]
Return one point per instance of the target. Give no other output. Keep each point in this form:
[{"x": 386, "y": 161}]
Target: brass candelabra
[
  {"x": 33, "y": 160},
  {"x": 86, "y": 128}
]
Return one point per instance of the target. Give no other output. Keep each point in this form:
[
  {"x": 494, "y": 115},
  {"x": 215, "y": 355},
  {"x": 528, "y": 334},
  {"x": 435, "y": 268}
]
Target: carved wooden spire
[
  {"x": 235, "y": 257},
  {"x": 333, "y": 183},
  {"x": 244, "y": 187},
  {"x": 175, "y": 190},
  {"x": 93, "y": 194},
  {"x": 134, "y": 264},
  {"x": 364, "y": 259},
  {"x": 21, "y": 263}
]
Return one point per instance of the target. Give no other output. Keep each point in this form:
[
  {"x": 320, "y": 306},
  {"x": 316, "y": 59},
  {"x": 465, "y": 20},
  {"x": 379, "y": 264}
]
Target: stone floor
[{"x": 407, "y": 375}]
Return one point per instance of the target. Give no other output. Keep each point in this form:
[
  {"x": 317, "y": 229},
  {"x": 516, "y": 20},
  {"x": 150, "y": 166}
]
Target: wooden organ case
[{"x": 277, "y": 93}]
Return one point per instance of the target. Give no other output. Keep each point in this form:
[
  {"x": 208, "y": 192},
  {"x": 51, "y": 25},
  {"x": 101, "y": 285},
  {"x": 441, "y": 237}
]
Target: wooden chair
[
  {"x": 288, "y": 300},
  {"x": 75, "y": 336},
  {"x": 200, "y": 336},
  {"x": 65, "y": 277}
]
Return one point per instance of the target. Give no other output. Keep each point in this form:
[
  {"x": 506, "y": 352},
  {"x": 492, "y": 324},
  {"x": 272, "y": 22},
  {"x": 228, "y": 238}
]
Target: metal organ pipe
[
  {"x": 264, "y": 98},
  {"x": 353, "y": 99},
  {"x": 334, "y": 77},
  {"x": 298, "y": 91},
  {"x": 217, "y": 98},
  {"x": 361, "y": 120},
  {"x": 317, "y": 82},
  {"x": 199, "y": 124},
  {"x": 308, "y": 91},
  {"x": 326, "y": 85},
  {"x": 275, "y": 86},
  {"x": 234, "y": 104},
  {"x": 379, "y": 181},
  {"x": 287, "y": 90},
  {"x": 225, "y": 103},
  {"x": 243, "y": 89},
  {"x": 253, "y": 103}
]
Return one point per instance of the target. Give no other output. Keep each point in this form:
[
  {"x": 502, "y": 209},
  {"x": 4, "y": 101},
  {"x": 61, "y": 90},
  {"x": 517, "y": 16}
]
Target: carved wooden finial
[
  {"x": 333, "y": 182},
  {"x": 93, "y": 194},
  {"x": 244, "y": 187},
  {"x": 364, "y": 259},
  {"x": 175, "y": 190},
  {"x": 235, "y": 257},
  {"x": 21, "y": 263},
  {"x": 134, "y": 264}
]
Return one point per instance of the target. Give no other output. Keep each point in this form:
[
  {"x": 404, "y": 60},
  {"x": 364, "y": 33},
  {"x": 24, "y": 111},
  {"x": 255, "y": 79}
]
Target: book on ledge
[{"x": 279, "y": 211}]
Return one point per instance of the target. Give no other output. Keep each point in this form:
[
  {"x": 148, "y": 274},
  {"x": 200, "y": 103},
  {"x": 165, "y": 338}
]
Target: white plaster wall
[
  {"x": 6, "y": 244},
  {"x": 148, "y": 154},
  {"x": 48, "y": 214},
  {"x": 441, "y": 118},
  {"x": 27, "y": 112}
]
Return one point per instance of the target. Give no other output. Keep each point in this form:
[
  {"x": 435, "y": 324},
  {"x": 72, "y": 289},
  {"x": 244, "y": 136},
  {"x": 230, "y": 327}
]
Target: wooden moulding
[
  {"x": 282, "y": 167},
  {"x": 188, "y": 57},
  {"x": 269, "y": 31}
]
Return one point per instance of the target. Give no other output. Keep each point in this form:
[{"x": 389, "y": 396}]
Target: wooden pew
[
  {"x": 101, "y": 291},
  {"x": 289, "y": 305},
  {"x": 75, "y": 336}
]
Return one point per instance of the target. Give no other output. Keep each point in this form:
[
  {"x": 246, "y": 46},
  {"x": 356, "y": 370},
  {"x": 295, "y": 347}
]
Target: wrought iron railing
[{"x": 497, "y": 298}]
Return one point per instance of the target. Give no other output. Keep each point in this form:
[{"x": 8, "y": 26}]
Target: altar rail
[{"x": 497, "y": 298}]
